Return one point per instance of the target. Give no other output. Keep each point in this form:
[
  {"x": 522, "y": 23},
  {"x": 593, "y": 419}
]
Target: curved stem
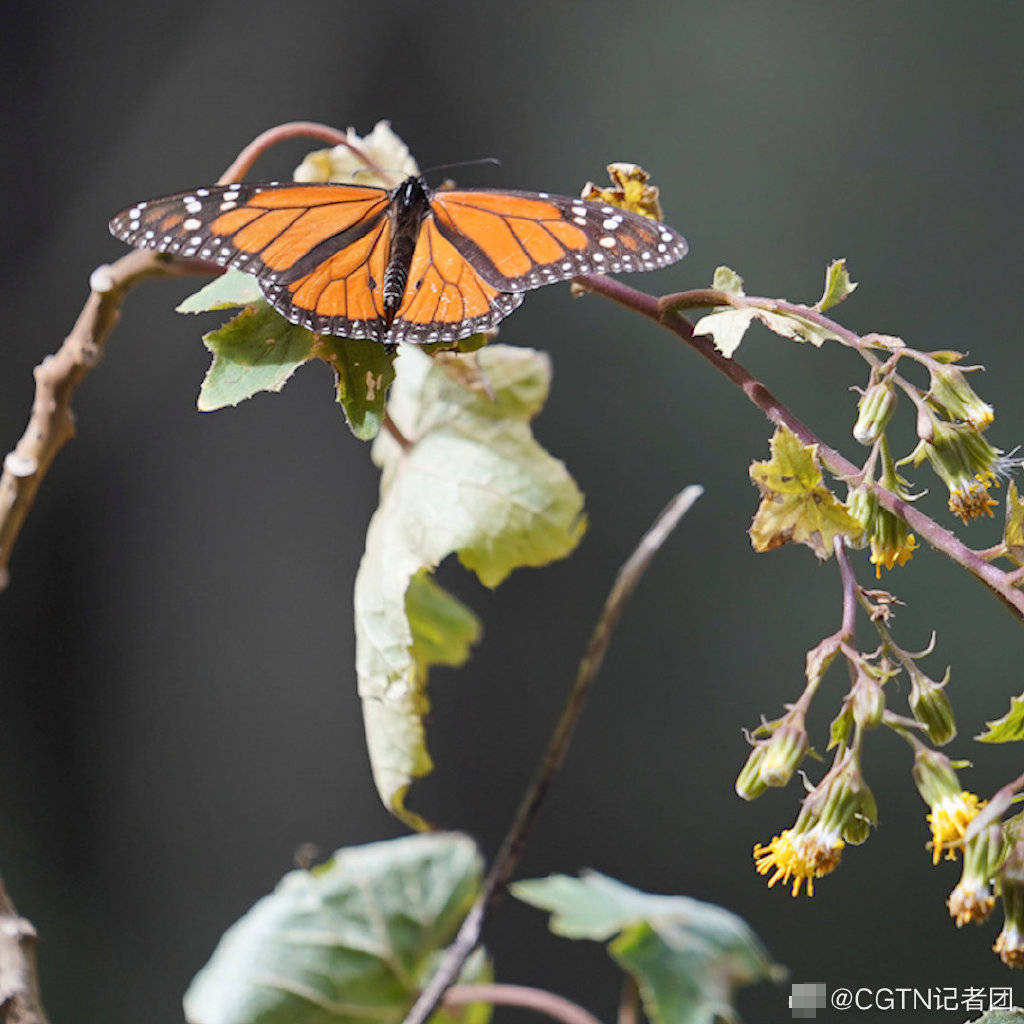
[
  {"x": 551, "y": 1005},
  {"x": 512, "y": 846},
  {"x": 664, "y": 311},
  {"x": 850, "y": 589},
  {"x": 291, "y": 130}
]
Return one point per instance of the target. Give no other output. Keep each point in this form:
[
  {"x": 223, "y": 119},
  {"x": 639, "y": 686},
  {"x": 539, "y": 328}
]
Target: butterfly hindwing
[{"x": 522, "y": 240}]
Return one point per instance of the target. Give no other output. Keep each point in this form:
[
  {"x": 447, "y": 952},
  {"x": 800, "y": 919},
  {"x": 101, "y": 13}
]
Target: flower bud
[
  {"x": 1010, "y": 943},
  {"x": 784, "y": 752},
  {"x": 951, "y": 393},
  {"x": 930, "y": 706},
  {"x": 874, "y": 410},
  {"x": 868, "y": 701},
  {"x": 749, "y": 783},
  {"x": 972, "y": 899}
]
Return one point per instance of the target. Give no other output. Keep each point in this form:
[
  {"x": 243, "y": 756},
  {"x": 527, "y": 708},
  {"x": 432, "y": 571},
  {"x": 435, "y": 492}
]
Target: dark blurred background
[{"x": 179, "y": 706}]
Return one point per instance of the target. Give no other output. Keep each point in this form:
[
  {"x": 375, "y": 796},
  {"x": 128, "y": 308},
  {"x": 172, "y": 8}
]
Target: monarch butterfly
[{"x": 409, "y": 264}]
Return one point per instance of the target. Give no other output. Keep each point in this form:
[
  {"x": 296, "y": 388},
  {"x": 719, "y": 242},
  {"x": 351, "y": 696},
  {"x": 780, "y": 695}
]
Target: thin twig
[
  {"x": 393, "y": 429},
  {"x": 19, "y": 983},
  {"x": 292, "y": 130},
  {"x": 554, "y": 1006},
  {"x": 512, "y": 846},
  {"x": 663, "y": 312}
]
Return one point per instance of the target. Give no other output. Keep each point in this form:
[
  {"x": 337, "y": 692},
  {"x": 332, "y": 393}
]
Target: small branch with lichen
[
  {"x": 19, "y": 985},
  {"x": 52, "y": 423},
  {"x": 665, "y": 311}
]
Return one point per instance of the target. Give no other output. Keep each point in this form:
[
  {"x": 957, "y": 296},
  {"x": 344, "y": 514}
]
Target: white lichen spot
[{"x": 19, "y": 465}]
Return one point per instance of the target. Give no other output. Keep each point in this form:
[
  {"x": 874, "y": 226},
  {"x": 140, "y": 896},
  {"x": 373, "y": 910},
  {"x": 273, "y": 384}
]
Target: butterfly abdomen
[{"x": 410, "y": 205}]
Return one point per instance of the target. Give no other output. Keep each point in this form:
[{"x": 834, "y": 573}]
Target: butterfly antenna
[{"x": 462, "y": 163}]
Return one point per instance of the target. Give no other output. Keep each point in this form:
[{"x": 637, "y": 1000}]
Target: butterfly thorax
[{"x": 409, "y": 205}]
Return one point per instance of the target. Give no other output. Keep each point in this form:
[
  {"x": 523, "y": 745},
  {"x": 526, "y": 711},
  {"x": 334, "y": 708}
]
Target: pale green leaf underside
[
  {"x": 256, "y": 351},
  {"x": 349, "y": 942},
  {"x": 1009, "y": 728},
  {"x": 686, "y": 956},
  {"x": 475, "y": 482},
  {"x": 232, "y": 288}
]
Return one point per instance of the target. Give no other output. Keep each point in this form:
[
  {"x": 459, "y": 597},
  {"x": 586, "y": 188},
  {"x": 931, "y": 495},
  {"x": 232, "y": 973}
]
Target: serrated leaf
[
  {"x": 837, "y": 285},
  {"x": 726, "y": 328},
  {"x": 232, "y": 288},
  {"x": 1009, "y": 728},
  {"x": 363, "y": 372},
  {"x": 795, "y": 506},
  {"x": 1011, "y": 1016},
  {"x": 726, "y": 280},
  {"x": 474, "y": 482},
  {"x": 1013, "y": 533},
  {"x": 687, "y": 957},
  {"x": 256, "y": 351},
  {"x": 349, "y": 942}
]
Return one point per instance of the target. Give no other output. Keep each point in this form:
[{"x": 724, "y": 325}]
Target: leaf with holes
[
  {"x": 687, "y": 957},
  {"x": 349, "y": 942},
  {"x": 363, "y": 372},
  {"x": 473, "y": 482},
  {"x": 795, "y": 505}
]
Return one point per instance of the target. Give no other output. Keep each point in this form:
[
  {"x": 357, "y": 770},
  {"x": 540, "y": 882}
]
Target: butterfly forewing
[{"x": 523, "y": 240}]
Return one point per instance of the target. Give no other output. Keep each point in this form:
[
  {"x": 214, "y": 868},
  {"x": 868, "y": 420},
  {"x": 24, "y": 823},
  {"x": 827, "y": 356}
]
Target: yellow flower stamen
[
  {"x": 971, "y": 499},
  {"x": 948, "y": 820},
  {"x": 800, "y": 856}
]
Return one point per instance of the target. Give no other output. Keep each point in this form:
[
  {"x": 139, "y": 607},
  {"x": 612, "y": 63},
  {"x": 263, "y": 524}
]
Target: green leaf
[
  {"x": 364, "y": 371},
  {"x": 232, "y": 288},
  {"x": 1013, "y": 533},
  {"x": 349, "y": 942},
  {"x": 792, "y": 325},
  {"x": 795, "y": 506},
  {"x": 1009, "y": 728},
  {"x": 475, "y": 482},
  {"x": 687, "y": 957},
  {"x": 837, "y": 285},
  {"x": 256, "y": 351},
  {"x": 1011, "y": 1016}
]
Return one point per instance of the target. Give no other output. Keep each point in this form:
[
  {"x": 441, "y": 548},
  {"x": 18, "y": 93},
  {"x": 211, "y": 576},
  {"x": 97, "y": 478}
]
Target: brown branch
[
  {"x": 665, "y": 312},
  {"x": 19, "y": 984},
  {"x": 512, "y": 846},
  {"x": 52, "y": 423},
  {"x": 554, "y": 1006},
  {"x": 850, "y": 590},
  {"x": 629, "y": 1001}
]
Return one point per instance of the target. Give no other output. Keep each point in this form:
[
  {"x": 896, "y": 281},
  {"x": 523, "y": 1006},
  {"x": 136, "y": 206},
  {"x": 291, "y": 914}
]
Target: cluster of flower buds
[{"x": 890, "y": 538}]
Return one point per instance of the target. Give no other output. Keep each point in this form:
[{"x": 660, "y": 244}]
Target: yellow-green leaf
[
  {"x": 795, "y": 506},
  {"x": 1009, "y": 728},
  {"x": 474, "y": 482},
  {"x": 837, "y": 285},
  {"x": 727, "y": 280}
]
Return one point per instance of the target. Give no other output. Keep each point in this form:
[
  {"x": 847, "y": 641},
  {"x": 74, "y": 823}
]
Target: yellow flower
[
  {"x": 949, "y": 818},
  {"x": 800, "y": 856},
  {"x": 970, "y": 498},
  {"x": 892, "y": 543},
  {"x": 971, "y": 900}
]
